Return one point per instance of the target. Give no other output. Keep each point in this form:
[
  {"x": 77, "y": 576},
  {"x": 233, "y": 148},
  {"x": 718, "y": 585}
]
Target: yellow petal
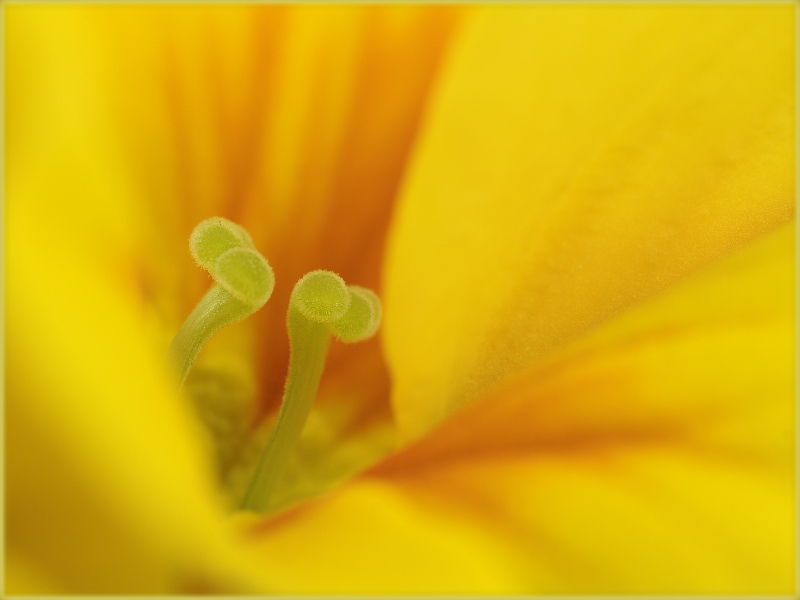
[
  {"x": 710, "y": 359},
  {"x": 108, "y": 487},
  {"x": 646, "y": 520},
  {"x": 655, "y": 459},
  {"x": 578, "y": 160}
]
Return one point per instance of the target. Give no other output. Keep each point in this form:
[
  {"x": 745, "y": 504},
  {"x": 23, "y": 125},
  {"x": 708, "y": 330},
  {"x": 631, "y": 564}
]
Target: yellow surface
[{"x": 578, "y": 160}]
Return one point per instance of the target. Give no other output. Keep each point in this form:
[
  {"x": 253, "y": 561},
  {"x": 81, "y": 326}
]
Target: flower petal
[
  {"x": 711, "y": 359},
  {"x": 108, "y": 488},
  {"x": 578, "y": 160},
  {"x": 657, "y": 458},
  {"x": 641, "y": 520}
]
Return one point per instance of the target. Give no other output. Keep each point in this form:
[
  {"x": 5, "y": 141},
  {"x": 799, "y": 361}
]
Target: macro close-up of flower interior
[{"x": 399, "y": 299}]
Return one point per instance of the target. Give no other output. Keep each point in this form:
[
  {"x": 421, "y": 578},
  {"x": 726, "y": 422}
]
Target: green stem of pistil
[
  {"x": 217, "y": 309},
  {"x": 309, "y": 345}
]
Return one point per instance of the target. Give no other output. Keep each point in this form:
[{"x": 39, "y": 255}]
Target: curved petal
[
  {"x": 108, "y": 488},
  {"x": 655, "y": 459},
  {"x": 710, "y": 358},
  {"x": 638, "y": 520},
  {"x": 578, "y": 160}
]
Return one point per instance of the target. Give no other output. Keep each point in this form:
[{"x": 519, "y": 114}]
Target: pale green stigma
[
  {"x": 362, "y": 318},
  {"x": 243, "y": 283},
  {"x": 215, "y": 236},
  {"x": 321, "y": 305},
  {"x": 321, "y": 296},
  {"x": 245, "y": 275}
]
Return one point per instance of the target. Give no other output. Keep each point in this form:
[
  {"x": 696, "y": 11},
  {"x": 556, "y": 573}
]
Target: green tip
[
  {"x": 362, "y": 318},
  {"x": 244, "y": 282},
  {"x": 214, "y": 237},
  {"x": 245, "y": 275},
  {"x": 321, "y": 296}
]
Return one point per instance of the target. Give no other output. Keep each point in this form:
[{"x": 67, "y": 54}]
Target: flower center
[{"x": 321, "y": 306}]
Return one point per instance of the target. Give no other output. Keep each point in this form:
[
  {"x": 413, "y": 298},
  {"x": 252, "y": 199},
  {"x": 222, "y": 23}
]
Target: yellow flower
[{"x": 588, "y": 288}]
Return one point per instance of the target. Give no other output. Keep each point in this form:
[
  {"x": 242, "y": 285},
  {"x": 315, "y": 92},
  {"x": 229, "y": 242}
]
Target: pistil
[{"x": 321, "y": 305}]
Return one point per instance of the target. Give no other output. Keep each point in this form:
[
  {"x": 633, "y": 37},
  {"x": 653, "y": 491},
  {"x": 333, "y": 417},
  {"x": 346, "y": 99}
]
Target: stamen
[
  {"x": 321, "y": 305},
  {"x": 244, "y": 282}
]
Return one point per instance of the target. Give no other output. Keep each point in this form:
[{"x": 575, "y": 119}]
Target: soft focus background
[{"x": 579, "y": 219}]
